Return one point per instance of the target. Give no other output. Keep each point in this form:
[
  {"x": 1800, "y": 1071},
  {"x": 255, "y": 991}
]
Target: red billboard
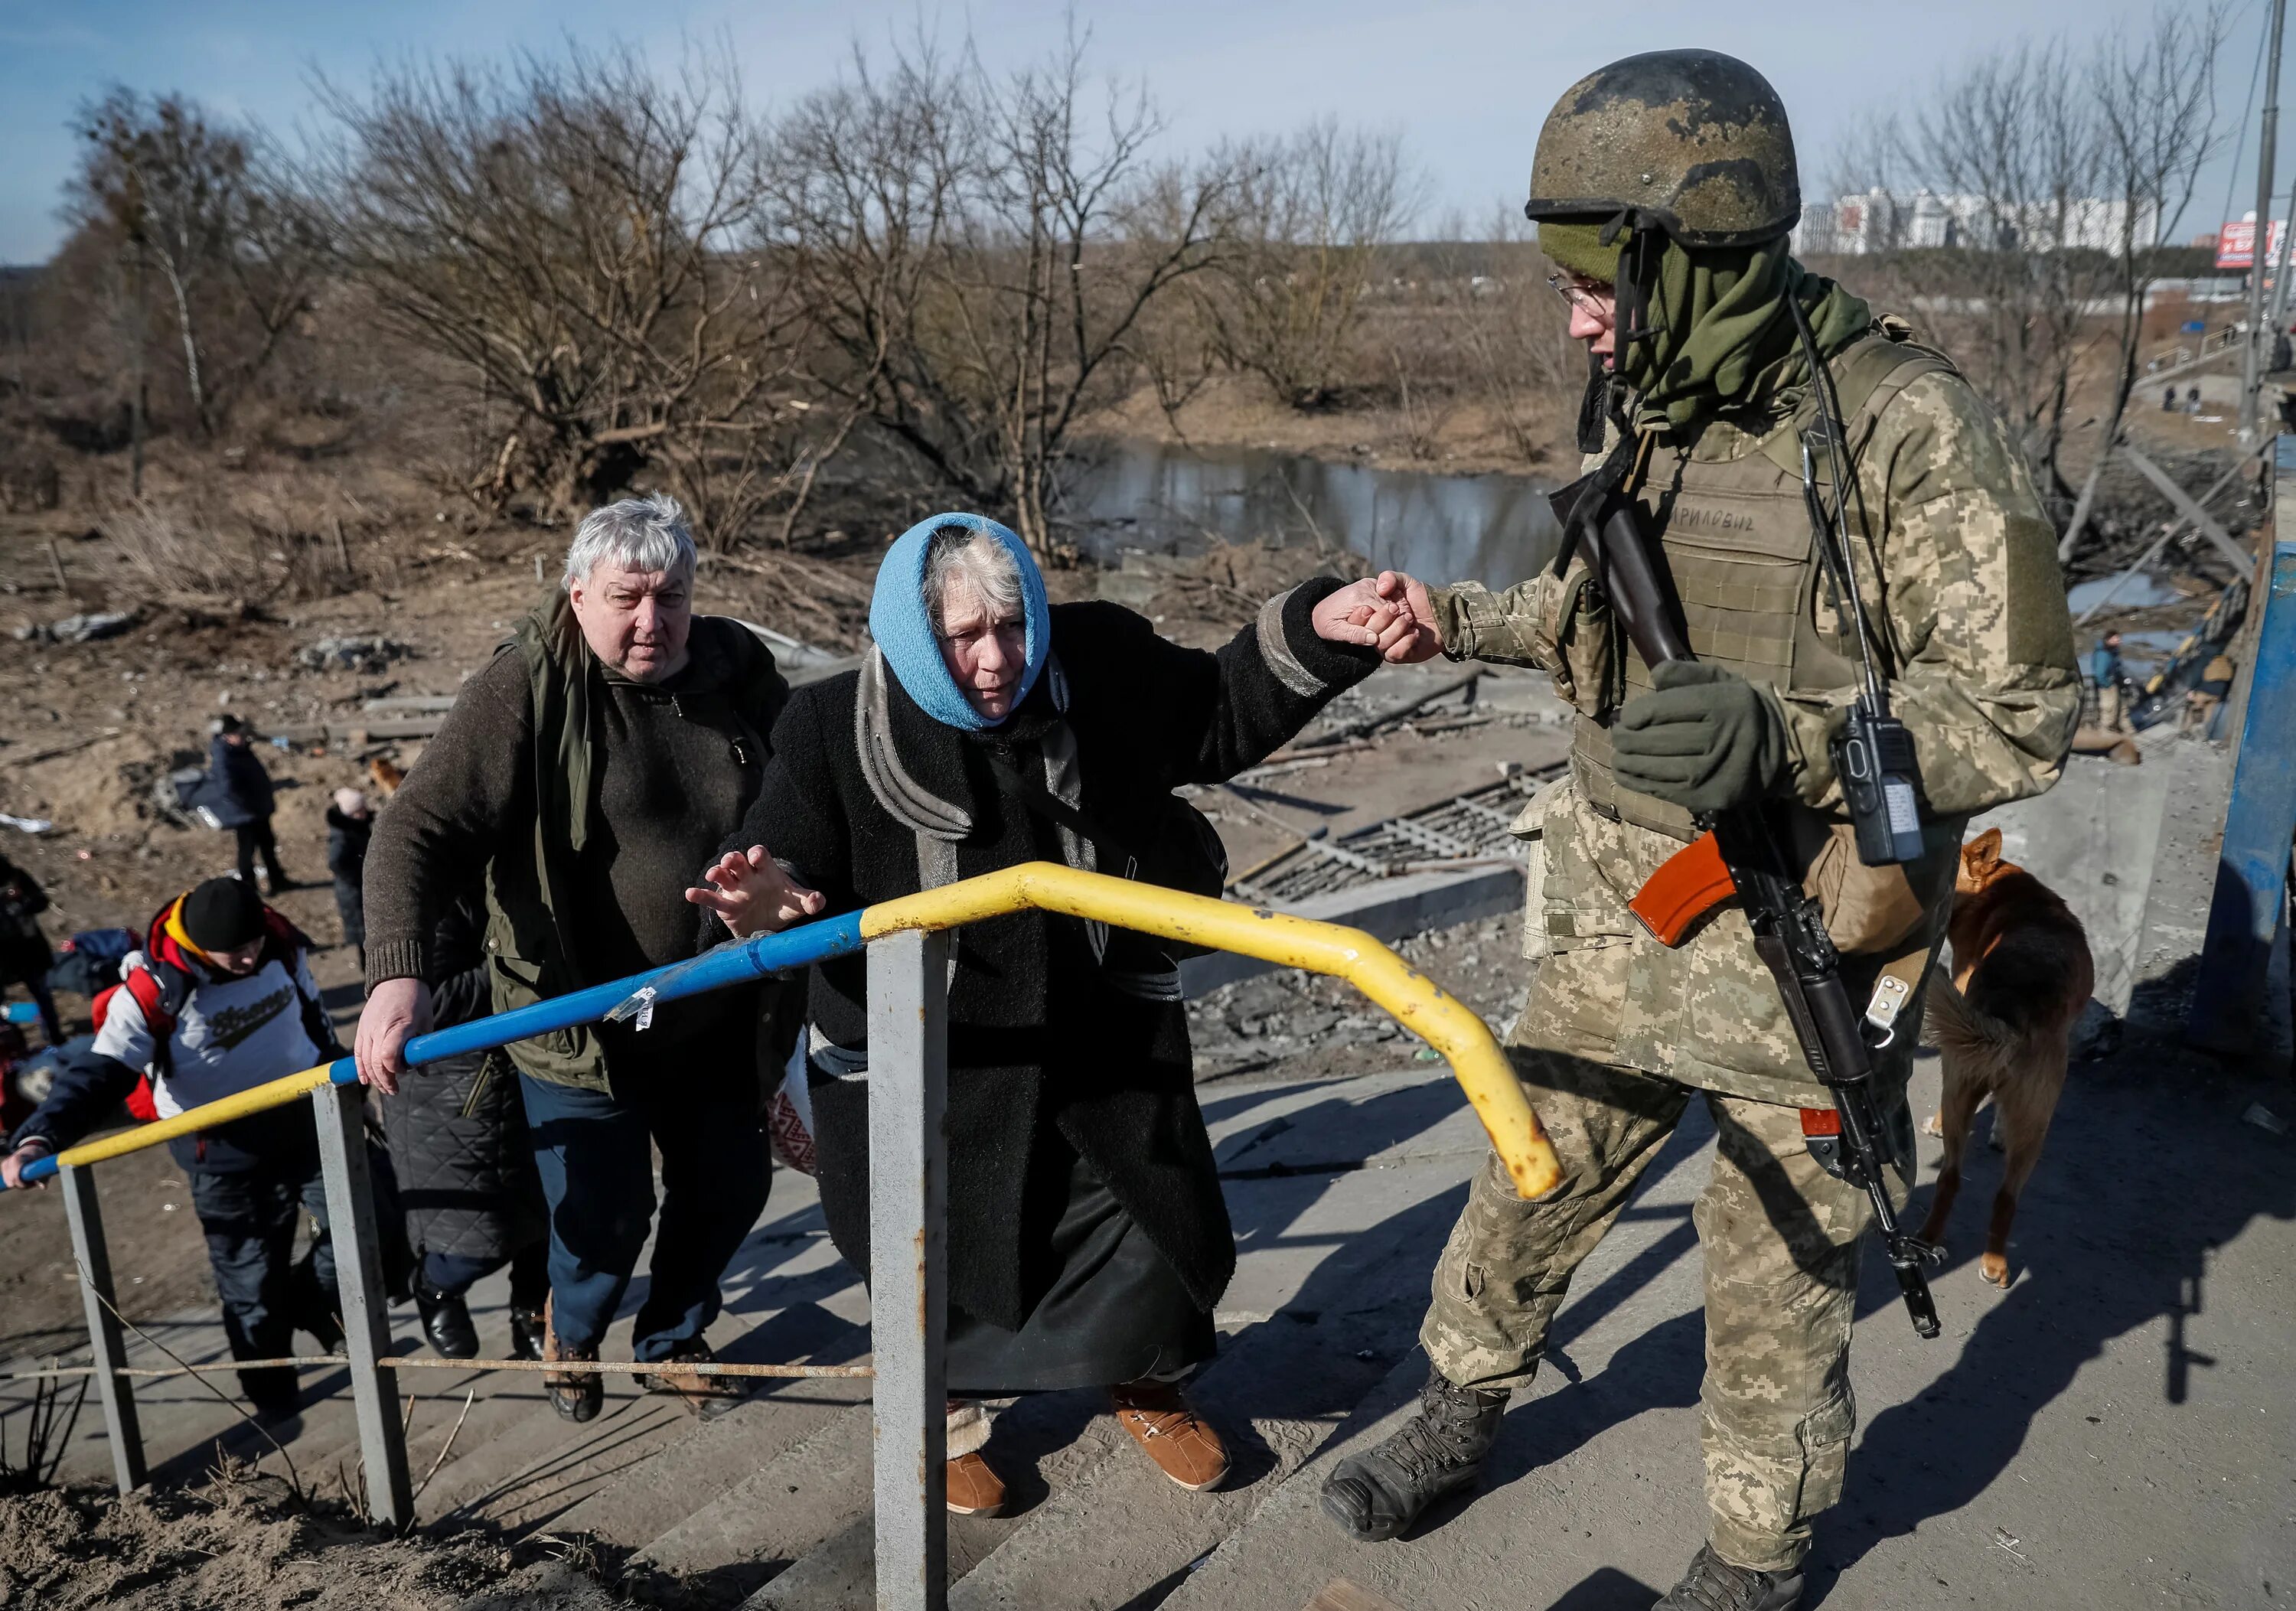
[{"x": 2236, "y": 243}]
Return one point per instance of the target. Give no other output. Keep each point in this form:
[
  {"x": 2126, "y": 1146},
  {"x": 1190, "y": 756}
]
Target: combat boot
[
  {"x": 1714, "y": 1584},
  {"x": 1375, "y": 1495}
]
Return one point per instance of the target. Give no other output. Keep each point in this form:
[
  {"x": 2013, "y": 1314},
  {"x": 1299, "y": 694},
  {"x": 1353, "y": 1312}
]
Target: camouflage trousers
[{"x": 1781, "y": 1239}]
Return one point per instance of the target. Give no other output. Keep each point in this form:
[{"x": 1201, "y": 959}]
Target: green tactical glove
[{"x": 1706, "y": 740}]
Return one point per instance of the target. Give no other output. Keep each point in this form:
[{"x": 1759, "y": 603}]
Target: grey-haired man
[{"x": 610, "y": 745}]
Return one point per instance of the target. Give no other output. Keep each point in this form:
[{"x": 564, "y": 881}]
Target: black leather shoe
[
  {"x": 1375, "y": 1495},
  {"x": 446, "y": 1322},
  {"x": 1714, "y": 1584},
  {"x": 526, "y": 1329}
]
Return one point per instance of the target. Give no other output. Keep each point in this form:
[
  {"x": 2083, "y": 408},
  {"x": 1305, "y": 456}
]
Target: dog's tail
[{"x": 1956, "y": 1026}]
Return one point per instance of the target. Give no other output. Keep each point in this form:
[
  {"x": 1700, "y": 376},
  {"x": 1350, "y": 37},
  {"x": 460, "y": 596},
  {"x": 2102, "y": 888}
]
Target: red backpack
[
  {"x": 139, "y": 983},
  {"x": 159, "y": 1015}
]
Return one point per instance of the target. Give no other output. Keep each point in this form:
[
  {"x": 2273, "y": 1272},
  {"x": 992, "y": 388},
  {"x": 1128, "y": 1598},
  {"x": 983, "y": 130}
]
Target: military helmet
[{"x": 1692, "y": 141}]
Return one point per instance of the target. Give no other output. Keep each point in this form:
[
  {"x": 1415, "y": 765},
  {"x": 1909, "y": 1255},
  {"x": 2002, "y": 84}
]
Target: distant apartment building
[{"x": 1880, "y": 220}]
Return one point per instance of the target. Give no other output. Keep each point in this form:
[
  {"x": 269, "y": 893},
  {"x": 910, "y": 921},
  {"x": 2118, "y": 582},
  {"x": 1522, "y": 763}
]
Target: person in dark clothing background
[
  {"x": 24, "y": 956},
  {"x": 348, "y": 825},
  {"x": 464, "y": 1162},
  {"x": 225, "y": 1002},
  {"x": 604, "y": 755},
  {"x": 238, "y": 791},
  {"x": 1087, "y": 1238}
]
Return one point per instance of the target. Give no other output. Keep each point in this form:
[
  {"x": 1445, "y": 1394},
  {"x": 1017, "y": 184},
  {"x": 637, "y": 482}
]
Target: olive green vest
[
  {"x": 532, "y": 955},
  {"x": 1729, "y": 516}
]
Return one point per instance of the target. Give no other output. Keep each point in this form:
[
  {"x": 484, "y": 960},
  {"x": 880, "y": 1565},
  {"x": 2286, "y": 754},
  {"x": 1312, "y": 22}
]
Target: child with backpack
[{"x": 219, "y": 1000}]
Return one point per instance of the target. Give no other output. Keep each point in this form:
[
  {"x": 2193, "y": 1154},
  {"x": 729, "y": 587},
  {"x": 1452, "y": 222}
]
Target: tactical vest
[{"x": 1730, "y": 518}]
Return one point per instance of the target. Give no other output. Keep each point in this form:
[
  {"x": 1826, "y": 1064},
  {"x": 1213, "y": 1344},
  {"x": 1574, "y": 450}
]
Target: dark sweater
[
  {"x": 669, "y": 783},
  {"x": 1040, "y": 1037}
]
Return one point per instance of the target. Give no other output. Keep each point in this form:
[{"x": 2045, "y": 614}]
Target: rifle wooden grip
[{"x": 1687, "y": 886}]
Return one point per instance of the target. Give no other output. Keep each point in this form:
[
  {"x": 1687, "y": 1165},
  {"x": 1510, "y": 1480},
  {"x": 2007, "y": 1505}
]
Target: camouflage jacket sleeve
[
  {"x": 1510, "y": 628},
  {"x": 1975, "y": 613},
  {"x": 1558, "y": 623}
]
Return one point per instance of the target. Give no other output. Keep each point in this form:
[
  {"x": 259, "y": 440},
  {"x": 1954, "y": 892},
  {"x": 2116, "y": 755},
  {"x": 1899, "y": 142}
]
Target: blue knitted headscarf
[{"x": 903, "y": 627}]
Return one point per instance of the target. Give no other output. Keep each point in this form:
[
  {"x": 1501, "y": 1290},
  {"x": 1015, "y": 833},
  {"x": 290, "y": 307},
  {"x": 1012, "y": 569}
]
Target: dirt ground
[{"x": 246, "y": 1540}]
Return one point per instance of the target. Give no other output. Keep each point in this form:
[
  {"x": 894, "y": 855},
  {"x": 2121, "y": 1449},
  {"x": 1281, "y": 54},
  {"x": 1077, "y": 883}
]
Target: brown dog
[
  {"x": 386, "y": 777},
  {"x": 2022, "y": 973}
]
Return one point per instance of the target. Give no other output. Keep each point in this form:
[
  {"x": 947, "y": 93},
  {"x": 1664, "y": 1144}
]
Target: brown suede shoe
[
  {"x": 973, "y": 1488},
  {"x": 1160, "y": 1420},
  {"x": 707, "y": 1396},
  {"x": 576, "y": 1395}
]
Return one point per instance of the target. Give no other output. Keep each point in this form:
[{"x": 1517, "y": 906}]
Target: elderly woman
[{"x": 1089, "y": 1240}]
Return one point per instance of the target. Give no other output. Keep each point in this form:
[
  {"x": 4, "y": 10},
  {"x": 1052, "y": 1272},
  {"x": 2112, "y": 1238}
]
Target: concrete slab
[{"x": 2091, "y": 839}]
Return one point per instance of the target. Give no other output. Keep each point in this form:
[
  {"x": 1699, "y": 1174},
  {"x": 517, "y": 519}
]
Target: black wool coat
[
  {"x": 457, "y": 1126},
  {"x": 1046, "y": 1053}
]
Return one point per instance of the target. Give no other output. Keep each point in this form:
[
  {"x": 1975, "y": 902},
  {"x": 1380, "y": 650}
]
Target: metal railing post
[
  {"x": 908, "y": 1265},
  {"x": 340, "y": 1112},
  {"x": 106, "y": 1350}
]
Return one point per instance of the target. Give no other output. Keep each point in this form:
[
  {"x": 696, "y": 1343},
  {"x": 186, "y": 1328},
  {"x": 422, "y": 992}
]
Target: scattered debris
[
  {"x": 28, "y": 824},
  {"x": 366, "y": 654},
  {"x": 79, "y": 628},
  {"x": 2258, "y": 1114}
]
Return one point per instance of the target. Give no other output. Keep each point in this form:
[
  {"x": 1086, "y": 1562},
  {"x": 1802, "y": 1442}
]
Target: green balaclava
[{"x": 1720, "y": 325}]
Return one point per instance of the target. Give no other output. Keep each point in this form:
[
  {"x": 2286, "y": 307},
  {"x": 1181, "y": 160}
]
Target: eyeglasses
[{"x": 1586, "y": 299}]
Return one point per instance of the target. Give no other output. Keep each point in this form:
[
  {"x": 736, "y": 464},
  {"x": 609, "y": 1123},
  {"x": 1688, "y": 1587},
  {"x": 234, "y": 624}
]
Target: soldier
[{"x": 1664, "y": 186}]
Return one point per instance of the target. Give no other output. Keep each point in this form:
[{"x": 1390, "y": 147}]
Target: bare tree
[
  {"x": 1506, "y": 330},
  {"x": 572, "y": 233},
  {"x": 1313, "y": 212},
  {"x": 207, "y": 207},
  {"x": 978, "y": 257},
  {"x": 2155, "y": 92},
  {"x": 2029, "y": 194},
  {"x": 2015, "y": 141}
]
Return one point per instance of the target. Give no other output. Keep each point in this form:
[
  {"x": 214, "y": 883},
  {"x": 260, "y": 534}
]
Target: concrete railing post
[
  {"x": 908, "y": 1265},
  {"x": 105, "y": 1346},
  {"x": 341, "y": 1111}
]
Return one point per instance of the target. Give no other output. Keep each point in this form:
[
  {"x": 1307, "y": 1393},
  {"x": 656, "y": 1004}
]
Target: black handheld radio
[{"x": 1873, "y": 754}]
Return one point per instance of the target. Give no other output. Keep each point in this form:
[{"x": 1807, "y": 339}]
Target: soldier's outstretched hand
[{"x": 755, "y": 894}]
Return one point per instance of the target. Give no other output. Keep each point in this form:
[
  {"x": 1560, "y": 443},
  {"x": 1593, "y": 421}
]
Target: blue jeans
[{"x": 595, "y": 1154}]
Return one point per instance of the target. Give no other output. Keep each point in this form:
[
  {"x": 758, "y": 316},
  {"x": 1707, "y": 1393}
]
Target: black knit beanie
[{"x": 222, "y": 914}]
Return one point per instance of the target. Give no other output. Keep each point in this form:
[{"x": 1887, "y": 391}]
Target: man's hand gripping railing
[{"x": 1742, "y": 855}]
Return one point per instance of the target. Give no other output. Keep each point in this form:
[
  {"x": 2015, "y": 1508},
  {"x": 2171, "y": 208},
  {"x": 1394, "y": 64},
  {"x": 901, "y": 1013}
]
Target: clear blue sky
[{"x": 1467, "y": 82}]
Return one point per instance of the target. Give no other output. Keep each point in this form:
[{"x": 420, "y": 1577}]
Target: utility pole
[
  {"x": 2279, "y": 321},
  {"x": 2267, "y": 143}
]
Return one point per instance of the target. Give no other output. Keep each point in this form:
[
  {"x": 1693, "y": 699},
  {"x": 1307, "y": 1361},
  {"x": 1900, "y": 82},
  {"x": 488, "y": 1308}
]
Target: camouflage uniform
[{"x": 1618, "y": 1030}]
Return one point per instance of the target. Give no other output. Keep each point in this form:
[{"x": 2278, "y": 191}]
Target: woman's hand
[
  {"x": 754, "y": 895},
  {"x": 1390, "y": 612},
  {"x": 1353, "y": 614}
]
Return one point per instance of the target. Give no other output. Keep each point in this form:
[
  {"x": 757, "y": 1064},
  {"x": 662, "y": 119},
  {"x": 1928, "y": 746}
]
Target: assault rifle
[{"x": 1743, "y": 852}]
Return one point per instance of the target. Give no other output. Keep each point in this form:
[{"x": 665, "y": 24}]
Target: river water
[{"x": 1159, "y": 497}]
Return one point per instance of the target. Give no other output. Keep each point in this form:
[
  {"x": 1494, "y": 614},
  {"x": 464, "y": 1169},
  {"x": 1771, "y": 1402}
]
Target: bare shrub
[
  {"x": 33, "y": 1448},
  {"x": 203, "y": 210},
  {"x": 1312, "y": 212},
  {"x": 238, "y": 546},
  {"x": 978, "y": 257},
  {"x": 572, "y": 236},
  {"x": 1506, "y": 331}
]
